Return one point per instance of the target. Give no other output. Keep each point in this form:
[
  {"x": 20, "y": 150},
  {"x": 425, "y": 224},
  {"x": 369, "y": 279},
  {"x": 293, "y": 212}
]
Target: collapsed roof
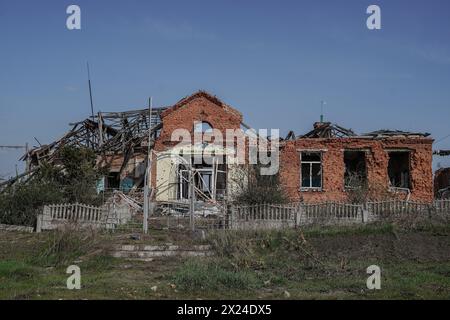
[
  {"x": 107, "y": 132},
  {"x": 329, "y": 130},
  {"x": 116, "y": 132},
  {"x": 126, "y": 132}
]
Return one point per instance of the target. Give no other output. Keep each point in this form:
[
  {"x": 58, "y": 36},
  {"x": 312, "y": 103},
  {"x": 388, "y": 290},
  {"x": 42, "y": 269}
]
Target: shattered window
[
  {"x": 203, "y": 182},
  {"x": 399, "y": 169},
  {"x": 311, "y": 170},
  {"x": 209, "y": 178}
]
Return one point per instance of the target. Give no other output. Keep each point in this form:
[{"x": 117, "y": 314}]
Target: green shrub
[
  {"x": 21, "y": 204},
  {"x": 72, "y": 178}
]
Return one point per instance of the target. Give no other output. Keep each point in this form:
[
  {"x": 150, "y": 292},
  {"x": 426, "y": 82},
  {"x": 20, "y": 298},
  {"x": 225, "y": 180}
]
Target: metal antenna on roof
[
  {"x": 90, "y": 90},
  {"x": 322, "y": 103}
]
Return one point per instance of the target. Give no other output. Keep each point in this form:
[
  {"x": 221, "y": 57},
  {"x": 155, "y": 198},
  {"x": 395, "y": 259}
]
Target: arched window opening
[{"x": 202, "y": 127}]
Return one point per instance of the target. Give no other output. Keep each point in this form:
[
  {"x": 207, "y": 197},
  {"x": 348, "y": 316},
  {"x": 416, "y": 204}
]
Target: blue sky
[{"x": 273, "y": 60}]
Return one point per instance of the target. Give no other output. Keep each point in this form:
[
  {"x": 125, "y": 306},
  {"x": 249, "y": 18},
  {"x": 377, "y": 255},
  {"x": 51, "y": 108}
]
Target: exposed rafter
[
  {"x": 108, "y": 133},
  {"x": 328, "y": 130}
]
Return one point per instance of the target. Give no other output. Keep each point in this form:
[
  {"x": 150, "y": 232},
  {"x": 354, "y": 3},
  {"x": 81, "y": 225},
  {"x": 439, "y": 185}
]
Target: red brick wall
[
  {"x": 376, "y": 160},
  {"x": 197, "y": 109},
  {"x": 201, "y": 108}
]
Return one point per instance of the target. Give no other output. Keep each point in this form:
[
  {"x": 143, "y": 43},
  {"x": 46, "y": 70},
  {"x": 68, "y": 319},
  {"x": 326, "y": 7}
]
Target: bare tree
[{"x": 254, "y": 188}]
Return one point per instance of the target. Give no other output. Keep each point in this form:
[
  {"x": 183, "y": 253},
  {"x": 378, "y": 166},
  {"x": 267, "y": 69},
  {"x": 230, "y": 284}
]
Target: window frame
[{"x": 310, "y": 164}]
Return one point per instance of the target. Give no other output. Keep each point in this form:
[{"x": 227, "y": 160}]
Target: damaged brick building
[
  {"x": 318, "y": 166},
  {"x": 314, "y": 167}
]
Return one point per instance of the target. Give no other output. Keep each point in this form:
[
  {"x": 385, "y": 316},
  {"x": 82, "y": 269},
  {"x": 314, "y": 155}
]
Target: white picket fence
[
  {"x": 398, "y": 207},
  {"x": 267, "y": 216},
  {"x": 118, "y": 211},
  {"x": 442, "y": 206},
  {"x": 330, "y": 211},
  {"x": 55, "y": 215},
  {"x": 262, "y": 216}
]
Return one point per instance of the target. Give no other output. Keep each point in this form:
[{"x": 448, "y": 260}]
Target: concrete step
[
  {"x": 164, "y": 247},
  {"x": 149, "y": 252}
]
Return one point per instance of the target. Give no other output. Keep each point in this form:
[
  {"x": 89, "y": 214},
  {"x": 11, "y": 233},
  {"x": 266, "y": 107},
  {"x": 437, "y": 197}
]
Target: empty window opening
[
  {"x": 113, "y": 180},
  {"x": 202, "y": 127},
  {"x": 399, "y": 169},
  {"x": 311, "y": 170},
  {"x": 355, "y": 169}
]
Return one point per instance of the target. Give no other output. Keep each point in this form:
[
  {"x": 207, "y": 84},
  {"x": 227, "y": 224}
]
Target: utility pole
[{"x": 148, "y": 174}]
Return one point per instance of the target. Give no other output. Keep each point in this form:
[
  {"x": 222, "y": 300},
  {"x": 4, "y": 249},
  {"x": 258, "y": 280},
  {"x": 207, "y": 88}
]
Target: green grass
[
  {"x": 212, "y": 279},
  {"x": 210, "y": 275},
  {"x": 247, "y": 265},
  {"x": 367, "y": 229},
  {"x": 15, "y": 270}
]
